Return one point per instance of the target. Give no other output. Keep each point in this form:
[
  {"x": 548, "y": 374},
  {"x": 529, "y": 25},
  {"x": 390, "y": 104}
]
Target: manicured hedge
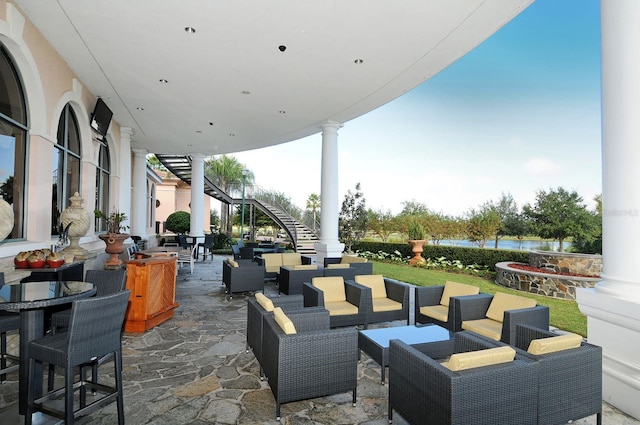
[{"x": 480, "y": 256}]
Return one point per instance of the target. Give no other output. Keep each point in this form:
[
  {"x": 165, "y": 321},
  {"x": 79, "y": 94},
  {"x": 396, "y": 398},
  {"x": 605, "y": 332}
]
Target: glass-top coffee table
[{"x": 375, "y": 342}]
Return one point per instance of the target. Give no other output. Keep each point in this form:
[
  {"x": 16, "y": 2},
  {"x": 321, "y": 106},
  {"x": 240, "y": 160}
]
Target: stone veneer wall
[
  {"x": 550, "y": 285},
  {"x": 564, "y": 262}
]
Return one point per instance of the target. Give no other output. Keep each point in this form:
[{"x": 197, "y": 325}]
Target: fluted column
[
  {"x": 139, "y": 193},
  {"x": 613, "y": 306},
  {"x": 197, "y": 195},
  {"x": 329, "y": 245}
]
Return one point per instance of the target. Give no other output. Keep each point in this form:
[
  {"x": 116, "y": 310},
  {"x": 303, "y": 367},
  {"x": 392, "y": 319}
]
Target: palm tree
[
  {"x": 226, "y": 172},
  {"x": 313, "y": 204}
]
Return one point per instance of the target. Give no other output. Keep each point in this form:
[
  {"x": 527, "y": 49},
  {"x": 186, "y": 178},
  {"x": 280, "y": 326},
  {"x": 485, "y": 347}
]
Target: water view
[{"x": 523, "y": 245}]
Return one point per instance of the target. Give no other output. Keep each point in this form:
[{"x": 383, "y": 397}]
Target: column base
[
  {"x": 614, "y": 324},
  {"x": 328, "y": 250}
]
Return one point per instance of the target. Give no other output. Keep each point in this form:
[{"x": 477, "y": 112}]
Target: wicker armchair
[
  {"x": 434, "y": 305},
  {"x": 245, "y": 277},
  {"x": 314, "y": 362},
  {"x": 347, "y": 302},
  {"x": 423, "y": 391},
  {"x": 496, "y": 316},
  {"x": 292, "y": 277},
  {"x": 389, "y": 298}
]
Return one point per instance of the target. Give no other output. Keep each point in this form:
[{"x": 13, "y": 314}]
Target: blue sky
[{"x": 518, "y": 114}]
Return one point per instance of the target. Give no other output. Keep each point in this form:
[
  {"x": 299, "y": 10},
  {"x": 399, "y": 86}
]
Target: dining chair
[
  {"x": 186, "y": 256},
  {"x": 207, "y": 247},
  {"x": 95, "y": 331},
  {"x": 9, "y": 321}
]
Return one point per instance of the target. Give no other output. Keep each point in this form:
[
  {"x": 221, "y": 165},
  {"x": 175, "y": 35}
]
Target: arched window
[
  {"x": 66, "y": 165},
  {"x": 103, "y": 174},
  {"x": 13, "y": 141}
]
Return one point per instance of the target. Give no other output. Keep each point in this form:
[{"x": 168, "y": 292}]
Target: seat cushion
[
  {"x": 337, "y": 266},
  {"x": 487, "y": 327},
  {"x": 340, "y": 308},
  {"x": 455, "y": 289},
  {"x": 283, "y": 321},
  {"x": 385, "y": 304},
  {"x": 471, "y": 359},
  {"x": 502, "y": 302},
  {"x": 264, "y": 301},
  {"x": 375, "y": 282},
  {"x": 554, "y": 343},
  {"x": 291, "y": 259},
  {"x": 304, "y": 267},
  {"x": 438, "y": 312},
  {"x": 332, "y": 287}
]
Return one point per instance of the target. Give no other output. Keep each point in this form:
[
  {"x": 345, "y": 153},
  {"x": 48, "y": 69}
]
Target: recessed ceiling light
[
  {"x": 231, "y": 135},
  {"x": 140, "y": 108},
  {"x": 190, "y": 30},
  {"x": 211, "y": 124},
  {"x": 358, "y": 61},
  {"x": 163, "y": 81},
  {"x": 198, "y": 131},
  {"x": 245, "y": 92},
  {"x": 282, "y": 112}
]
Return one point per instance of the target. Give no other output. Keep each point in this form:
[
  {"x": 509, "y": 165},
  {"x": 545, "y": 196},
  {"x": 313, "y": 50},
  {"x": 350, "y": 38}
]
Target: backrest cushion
[
  {"x": 283, "y": 321},
  {"x": 332, "y": 286},
  {"x": 455, "y": 289},
  {"x": 304, "y": 267},
  {"x": 338, "y": 266},
  {"x": 291, "y": 258},
  {"x": 502, "y": 302},
  {"x": 490, "y": 356},
  {"x": 264, "y": 301},
  {"x": 375, "y": 282},
  {"x": 554, "y": 343},
  {"x": 348, "y": 259},
  {"x": 272, "y": 260},
  {"x": 233, "y": 263}
]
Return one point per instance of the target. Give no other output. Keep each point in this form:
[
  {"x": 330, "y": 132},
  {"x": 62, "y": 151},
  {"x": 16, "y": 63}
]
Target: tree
[
  {"x": 507, "y": 210},
  {"x": 559, "y": 214},
  {"x": 383, "y": 223},
  {"x": 352, "y": 222},
  {"x": 313, "y": 204},
  {"x": 179, "y": 222},
  {"x": 590, "y": 242},
  {"x": 482, "y": 225},
  {"x": 226, "y": 172},
  {"x": 214, "y": 219},
  {"x": 155, "y": 163}
]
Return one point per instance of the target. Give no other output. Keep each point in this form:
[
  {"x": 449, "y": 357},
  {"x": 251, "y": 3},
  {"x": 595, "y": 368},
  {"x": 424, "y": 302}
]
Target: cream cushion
[
  {"x": 304, "y": 267},
  {"x": 264, "y": 301},
  {"x": 439, "y": 312},
  {"x": 385, "y": 304},
  {"x": 487, "y": 327},
  {"x": 554, "y": 343},
  {"x": 332, "y": 287},
  {"x": 233, "y": 263},
  {"x": 338, "y": 266},
  {"x": 375, "y": 282},
  {"x": 272, "y": 262},
  {"x": 502, "y": 302},
  {"x": 490, "y": 356},
  {"x": 348, "y": 259},
  {"x": 291, "y": 259},
  {"x": 339, "y": 308},
  {"x": 283, "y": 321},
  {"x": 455, "y": 289}
]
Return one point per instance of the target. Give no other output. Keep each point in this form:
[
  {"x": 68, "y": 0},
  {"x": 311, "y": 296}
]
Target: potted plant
[
  {"x": 417, "y": 239},
  {"x": 114, "y": 238}
]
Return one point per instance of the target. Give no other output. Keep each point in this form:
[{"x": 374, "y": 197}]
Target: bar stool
[
  {"x": 8, "y": 322},
  {"x": 95, "y": 330}
]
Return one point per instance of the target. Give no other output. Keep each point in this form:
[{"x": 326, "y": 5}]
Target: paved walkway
[{"x": 193, "y": 369}]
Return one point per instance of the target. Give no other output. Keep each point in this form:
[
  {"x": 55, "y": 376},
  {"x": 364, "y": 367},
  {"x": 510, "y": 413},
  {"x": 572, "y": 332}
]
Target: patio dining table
[{"x": 30, "y": 299}]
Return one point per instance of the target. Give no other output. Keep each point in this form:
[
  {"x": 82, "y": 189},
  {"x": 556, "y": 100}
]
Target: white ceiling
[{"x": 232, "y": 74}]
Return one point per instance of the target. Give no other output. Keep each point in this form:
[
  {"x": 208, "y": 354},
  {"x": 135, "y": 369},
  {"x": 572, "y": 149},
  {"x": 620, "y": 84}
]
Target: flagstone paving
[{"x": 194, "y": 369}]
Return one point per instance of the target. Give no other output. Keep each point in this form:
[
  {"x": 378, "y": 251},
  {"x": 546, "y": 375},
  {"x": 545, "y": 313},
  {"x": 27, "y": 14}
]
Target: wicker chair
[
  {"x": 423, "y": 391},
  {"x": 314, "y": 362},
  {"x": 389, "y": 298},
  {"x": 95, "y": 331},
  {"x": 347, "y": 302},
  {"x": 496, "y": 316},
  {"x": 434, "y": 305},
  {"x": 291, "y": 278},
  {"x": 248, "y": 276}
]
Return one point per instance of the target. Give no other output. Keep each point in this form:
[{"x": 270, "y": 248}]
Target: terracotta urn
[
  {"x": 417, "y": 248},
  {"x": 114, "y": 247}
]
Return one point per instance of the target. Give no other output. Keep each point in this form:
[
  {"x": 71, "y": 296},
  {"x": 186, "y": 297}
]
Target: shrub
[
  {"x": 179, "y": 222},
  {"x": 416, "y": 231}
]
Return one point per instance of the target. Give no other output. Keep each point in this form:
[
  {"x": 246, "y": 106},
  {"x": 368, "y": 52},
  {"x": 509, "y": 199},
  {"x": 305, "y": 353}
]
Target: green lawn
[{"x": 564, "y": 314}]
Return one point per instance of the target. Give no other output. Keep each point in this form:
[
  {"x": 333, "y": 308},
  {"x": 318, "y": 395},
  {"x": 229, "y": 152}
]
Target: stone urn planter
[
  {"x": 417, "y": 248},
  {"x": 114, "y": 247}
]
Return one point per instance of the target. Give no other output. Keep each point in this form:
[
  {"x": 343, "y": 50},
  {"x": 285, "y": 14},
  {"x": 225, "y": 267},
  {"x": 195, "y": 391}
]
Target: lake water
[{"x": 523, "y": 245}]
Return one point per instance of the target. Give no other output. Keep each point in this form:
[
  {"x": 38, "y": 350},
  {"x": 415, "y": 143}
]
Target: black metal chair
[
  {"x": 8, "y": 322},
  {"x": 207, "y": 247},
  {"x": 95, "y": 331}
]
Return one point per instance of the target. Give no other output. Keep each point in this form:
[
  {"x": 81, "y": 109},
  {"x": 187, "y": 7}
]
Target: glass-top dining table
[{"x": 30, "y": 299}]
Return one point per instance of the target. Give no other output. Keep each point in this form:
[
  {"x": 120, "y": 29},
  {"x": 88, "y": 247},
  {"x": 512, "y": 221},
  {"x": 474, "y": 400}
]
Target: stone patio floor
[{"x": 193, "y": 369}]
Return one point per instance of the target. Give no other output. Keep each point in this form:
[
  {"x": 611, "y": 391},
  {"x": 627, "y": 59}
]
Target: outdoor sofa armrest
[
  {"x": 359, "y": 295},
  {"x": 526, "y": 333},
  {"x": 428, "y": 295},
  {"x": 397, "y": 291},
  {"x": 313, "y": 297},
  {"x": 537, "y": 316},
  {"x": 306, "y": 259},
  {"x": 471, "y": 307}
]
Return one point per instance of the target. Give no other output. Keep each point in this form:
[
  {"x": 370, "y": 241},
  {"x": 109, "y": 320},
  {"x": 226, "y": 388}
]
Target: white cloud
[{"x": 541, "y": 166}]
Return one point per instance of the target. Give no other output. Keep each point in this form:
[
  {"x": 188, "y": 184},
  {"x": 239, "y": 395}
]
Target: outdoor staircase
[{"x": 302, "y": 237}]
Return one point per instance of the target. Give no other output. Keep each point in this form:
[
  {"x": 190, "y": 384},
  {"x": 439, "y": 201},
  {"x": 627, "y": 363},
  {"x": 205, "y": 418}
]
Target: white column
[
  {"x": 123, "y": 194},
  {"x": 613, "y": 306},
  {"x": 139, "y": 193},
  {"x": 329, "y": 245},
  {"x": 197, "y": 195}
]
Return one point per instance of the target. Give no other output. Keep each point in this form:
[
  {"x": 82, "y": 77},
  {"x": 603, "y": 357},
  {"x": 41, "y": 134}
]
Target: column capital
[
  {"x": 126, "y": 131},
  {"x": 139, "y": 152},
  {"x": 197, "y": 155},
  {"x": 330, "y": 124}
]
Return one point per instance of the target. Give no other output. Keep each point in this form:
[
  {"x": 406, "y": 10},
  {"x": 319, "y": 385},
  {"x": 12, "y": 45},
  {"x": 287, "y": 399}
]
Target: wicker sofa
[
  {"x": 315, "y": 361},
  {"x": 273, "y": 261},
  {"x": 424, "y": 391},
  {"x": 359, "y": 264},
  {"x": 347, "y": 301},
  {"x": 433, "y": 303},
  {"x": 291, "y": 278},
  {"x": 242, "y": 276}
]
